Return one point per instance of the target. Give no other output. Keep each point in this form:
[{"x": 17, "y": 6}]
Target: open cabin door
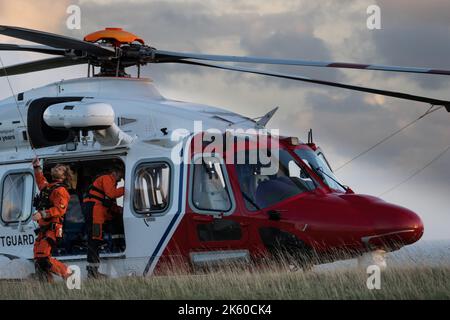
[{"x": 73, "y": 245}]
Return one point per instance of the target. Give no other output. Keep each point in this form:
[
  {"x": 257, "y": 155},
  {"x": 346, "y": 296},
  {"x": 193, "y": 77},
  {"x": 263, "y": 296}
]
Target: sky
[{"x": 344, "y": 123}]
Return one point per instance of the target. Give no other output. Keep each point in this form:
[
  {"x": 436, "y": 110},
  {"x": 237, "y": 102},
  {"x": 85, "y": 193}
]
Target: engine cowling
[{"x": 58, "y": 120}]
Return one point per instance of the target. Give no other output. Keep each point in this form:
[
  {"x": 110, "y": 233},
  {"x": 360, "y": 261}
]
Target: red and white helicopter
[{"x": 185, "y": 201}]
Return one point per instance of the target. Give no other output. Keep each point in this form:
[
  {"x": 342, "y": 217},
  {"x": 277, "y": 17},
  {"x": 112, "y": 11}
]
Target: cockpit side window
[
  {"x": 319, "y": 164},
  {"x": 261, "y": 189}
]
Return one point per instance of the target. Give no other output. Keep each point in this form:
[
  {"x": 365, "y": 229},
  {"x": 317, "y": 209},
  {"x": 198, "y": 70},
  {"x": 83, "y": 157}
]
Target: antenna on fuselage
[
  {"x": 261, "y": 123},
  {"x": 310, "y": 137}
]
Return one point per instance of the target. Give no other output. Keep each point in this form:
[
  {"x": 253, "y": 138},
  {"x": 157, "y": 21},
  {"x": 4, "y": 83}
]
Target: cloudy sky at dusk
[{"x": 345, "y": 123}]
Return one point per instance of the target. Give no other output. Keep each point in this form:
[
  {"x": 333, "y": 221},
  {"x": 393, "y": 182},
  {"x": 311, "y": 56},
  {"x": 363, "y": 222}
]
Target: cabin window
[
  {"x": 151, "y": 188},
  {"x": 17, "y": 197},
  {"x": 209, "y": 186}
]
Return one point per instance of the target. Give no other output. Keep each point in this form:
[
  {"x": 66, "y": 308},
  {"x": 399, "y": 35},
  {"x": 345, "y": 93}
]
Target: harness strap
[
  {"x": 55, "y": 186},
  {"x": 91, "y": 196},
  {"x": 106, "y": 201},
  {"x": 98, "y": 190},
  {"x": 92, "y": 187},
  {"x": 50, "y": 226}
]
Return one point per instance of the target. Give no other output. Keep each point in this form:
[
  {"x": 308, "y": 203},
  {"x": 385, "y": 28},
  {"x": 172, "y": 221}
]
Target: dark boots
[
  {"x": 93, "y": 273},
  {"x": 42, "y": 267}
]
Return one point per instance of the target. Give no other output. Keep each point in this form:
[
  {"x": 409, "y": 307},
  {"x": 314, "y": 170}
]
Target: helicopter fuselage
[{"x": 183, "y": 205}]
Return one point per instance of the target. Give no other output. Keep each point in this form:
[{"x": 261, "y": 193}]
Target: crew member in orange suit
[
  {"x": 99, "y": 205},
  {"x": 51, "y": 204}
]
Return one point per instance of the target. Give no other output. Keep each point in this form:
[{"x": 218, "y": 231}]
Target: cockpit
[{"x": 265, "y": 184}]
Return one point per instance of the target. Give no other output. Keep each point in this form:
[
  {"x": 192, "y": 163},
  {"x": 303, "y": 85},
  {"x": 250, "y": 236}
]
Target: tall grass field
[
  {"x": 420, "y": 274},
  {"x": 408, "y": 283}
]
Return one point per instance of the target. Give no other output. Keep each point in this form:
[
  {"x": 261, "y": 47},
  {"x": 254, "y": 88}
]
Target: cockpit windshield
[
  {"x": 263, "y": 185},
  {"x": 318, "y": 163}
]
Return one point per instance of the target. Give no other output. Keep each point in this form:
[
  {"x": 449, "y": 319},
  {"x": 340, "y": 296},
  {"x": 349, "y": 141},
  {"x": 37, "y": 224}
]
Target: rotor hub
[{"x": 116, "y": 36}]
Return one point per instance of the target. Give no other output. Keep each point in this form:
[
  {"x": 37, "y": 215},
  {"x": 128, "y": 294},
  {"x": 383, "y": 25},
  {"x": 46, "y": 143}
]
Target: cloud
[
  {"x": 34, "y": 15},
  {"x": 290, "y": 44},
  {"x": 30, "y": 14},
  {"x": 415, "y": 35},
  {"x": 215, "y": 27}
]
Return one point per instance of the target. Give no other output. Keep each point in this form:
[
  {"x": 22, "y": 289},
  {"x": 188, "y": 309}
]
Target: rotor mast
[{"x": 120, "y": 40}]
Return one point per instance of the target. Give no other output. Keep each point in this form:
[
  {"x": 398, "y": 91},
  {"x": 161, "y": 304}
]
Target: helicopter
[{"x": 188, "y": 199}]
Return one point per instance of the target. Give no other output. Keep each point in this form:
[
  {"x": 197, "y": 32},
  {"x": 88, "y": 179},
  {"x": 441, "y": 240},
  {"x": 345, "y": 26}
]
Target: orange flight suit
[
  {"x": 47, "y": 236},
  {"x": 100, "y": 214}
]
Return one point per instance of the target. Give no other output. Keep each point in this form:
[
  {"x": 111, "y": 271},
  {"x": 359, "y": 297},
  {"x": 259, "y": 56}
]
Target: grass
[{"x": 396, "y": 283}]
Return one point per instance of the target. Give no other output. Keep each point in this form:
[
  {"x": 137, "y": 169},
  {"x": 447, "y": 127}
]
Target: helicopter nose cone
[
  {"x": 390, "y": 225},
  {"x": 418, "y": 230},
  {"x": 411, "y": 221},
  {"x": 396, "y": 224}
]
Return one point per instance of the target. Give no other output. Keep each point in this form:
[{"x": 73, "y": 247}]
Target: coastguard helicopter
[{"x": 185, "y": 202}]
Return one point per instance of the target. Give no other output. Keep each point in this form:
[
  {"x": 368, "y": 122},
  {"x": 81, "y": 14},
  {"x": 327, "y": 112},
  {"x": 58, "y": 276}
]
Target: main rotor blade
[
  {"x": 56, "y": 41},
  {"x": 169, "y": 56},
  {"x": 395, "y": 94},
  {"x": 39, "y": 49},
  {"x": 40, "y": 65}
]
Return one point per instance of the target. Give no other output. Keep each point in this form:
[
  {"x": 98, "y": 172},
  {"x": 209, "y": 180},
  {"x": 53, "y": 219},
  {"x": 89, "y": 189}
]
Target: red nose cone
[
  {"x": 415, "y": 223},
  {"x": 399, "y": 225},
  {"x": 390, "y": 225}
]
